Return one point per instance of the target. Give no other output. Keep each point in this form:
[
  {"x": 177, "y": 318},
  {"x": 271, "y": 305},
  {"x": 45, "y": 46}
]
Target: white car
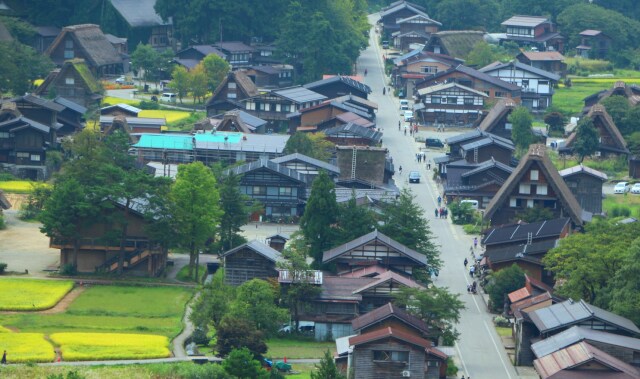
[
  {"x": 635, "y": 188},
  {"x": 621, "y": 187},
  {"x": 408, "y": 116}
]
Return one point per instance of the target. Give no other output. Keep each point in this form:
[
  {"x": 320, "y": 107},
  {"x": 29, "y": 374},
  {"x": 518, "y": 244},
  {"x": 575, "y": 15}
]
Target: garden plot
[{"x": 109, "y": 346}]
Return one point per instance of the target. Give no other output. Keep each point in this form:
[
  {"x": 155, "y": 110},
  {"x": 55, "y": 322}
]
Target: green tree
[
  {"x": 633, "y": 143},
  {"x": 503, "y": 283},
  {"x": 196, "y": 209},
  {"x": 586, "y": 141},
  {"x": 461, "y": 213},
  {"x": 322, "y": 148},
  {"x": 624, "y": 288},
  {"x": 483, "y": 54},
  {"x": 145, "y": 58},
  {"x": 198, "y": 83},
  {"x": 354, "y": 221},
  {"x": 468, "y": 14},
  {"x": 436, "y": 306},
  {"x": 556, "y": 121},
  {"x": 255, "y": 301},
  {"x": 214, "y": 301},
  {"x": 327, "y": 368},
  {"x": 19, "y": 67},
  {"x": 617, "y": 107},
  {"x": 236, "y": 212},
  {"x": 404, "y": 221},
  {"x": 521, "y": 132},
  {"x": 180, "y": 82},
  {"x": 241, "y": 364},
  {"x": 319, "y": 217},
  {"x": 631, "y": 122},
  {"x": 299, "y": 143},
  {"x": 235, "y": 333},
  {"x": 584, "y": 263},
  {"x": 216, "y": 69}
]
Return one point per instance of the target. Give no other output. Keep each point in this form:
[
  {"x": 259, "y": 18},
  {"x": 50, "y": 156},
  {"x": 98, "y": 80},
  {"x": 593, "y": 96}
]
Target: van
[
  {"x": 385, "y": 44},
  {"x": 168, "y": 97},
  {"x": 408, "y": 116},
  {"x": 473, "y": 203},
  {"x": 404, "y": 105},
  {"x": 433, "y": 142}
]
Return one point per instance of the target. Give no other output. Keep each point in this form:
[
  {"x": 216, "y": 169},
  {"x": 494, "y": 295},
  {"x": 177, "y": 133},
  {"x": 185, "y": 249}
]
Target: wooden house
[
  {"x": 534, "y": 31},
  {"x": 75, "y": 82},
  {"x": 38, "y": 109},
  {"x": 527, "y": 256},
  {"x": 450, "y": 103},
  {"x": 339, "y": 85},
  {"x": 534, "y": 183},
  {"x": 475, "y": 181},
  {"x": 190, "y": 57},
  {"x": 537, "y": 85},
  {"x": 374, "y": 248},
  {"x": 86, "y": 42},
  {"x": 586, "y": 185},
  {"x": 24, "y": 143},
  {"x": 523, "y": 299},
  {"x": 583, "y": 360},
  {"x": 271, "y": 76},
  {"x": 328, "y": 114},
  {"x": 276, "y": 105},
  {"x": 454, "y": 43},
  {"x": 398, "y": 10},
  {"x": 307, "y": 166},
  {"x": 623, "y": 348},
  {"x": 551, "y": 61},
  {"x": 44, "y": 37},
  {"x": 497, "y": 120},
  {"x": 236, "y": 53},
  {"x": 140, "y": 23},
  {"x": 252, "y": 260},
  {"x": 634, "y": 167},
  {"x": 98, "y": 250},
  {"x": 548, "y": 321},
  {"x": 414, "y": 30},
  {"x": 134, "y": 124},
  {"x": 278, "y": 241},
  {"x": 120, "y": 109},
  {"x": 280, "y": 190},
  {"x": 71, "y": 117},
  {"x": 411, "y": 68},
  {"x": 368, "y": 106},
  {"x": 620, "y": 88},
  {"x": 236, "y": 120},
  {"x": 388, "y": 353},
  {"x": 479, "y": 81},
  {"x": 351, "y": 134},
  {"x": 594, "y": 44},
  {"x": 611, "y": 142},
  {"x": 227, "y": 96}
]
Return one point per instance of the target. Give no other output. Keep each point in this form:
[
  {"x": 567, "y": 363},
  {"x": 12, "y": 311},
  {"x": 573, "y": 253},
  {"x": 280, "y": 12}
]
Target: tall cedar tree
[
  {"x": 521, "y": 132},
  {"x": 236, "y": 212},
  {"x": 354, "y": 221},
  {"x": 586, "y": 142},
  {"x": 327, "y": 368},
  {"x": 196, "y": 209},
  {"x": 242, "y": 364},
  {"x": 320, "y": 215},
  {"x": 404, "y": 221}
]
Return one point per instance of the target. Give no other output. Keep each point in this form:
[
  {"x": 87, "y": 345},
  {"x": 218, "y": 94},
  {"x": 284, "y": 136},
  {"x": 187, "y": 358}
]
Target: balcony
[{"x": 131, "y": 244}]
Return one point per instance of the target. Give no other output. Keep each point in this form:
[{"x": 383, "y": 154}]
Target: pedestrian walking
[
  {"x": 4, "y": 358},
  {"x": 384, "y": 90},
  {"x": 475, "y": 242},
  {"x": 466, "y": 262},
  {"x": 439, "y": 200},
  {"x": 446, "y": 213},
  {"x": 398, "y": 125},
  {"x": 472, "y": 270},
  {"x": 400, "y": 169},
  {"x": 405, "y": 131},
  {"x": 441, "y": 212},
  {"x": 429, "y": 166},
  {"x": 436, "y": 212}
]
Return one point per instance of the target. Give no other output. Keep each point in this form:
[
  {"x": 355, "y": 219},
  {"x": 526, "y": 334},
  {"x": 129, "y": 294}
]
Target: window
[
  {"x": 508, "y": 126},
  {"x": 525, "y": 189},
  {"x": 500, "y": 94},
  {"x": 231, "y": 85},
  {"x": 68, "y": 54},
  {"x": 525, "y": 83},
  {"x": 68, "y": 44},
  {"x": 433, "y": 364},
  {"x": 452, "y": 100},
  {"x": 35, "y": 157},
  {"x": 534, "y": 175},
  {"x": 542, "y": 189},
  {"x": 285, "y": 191},
  {"x": 4, "y": 135},
  {"x": 468, "y": 101},
  {"x": 286, "y": 107},
  {"x": 444, "y": 100},
  {"x": 543, "y": 82},
  {"x": 390, "y": 356},
  {"x": 435, "y": 100},
  {"x": 70, "y": 81},
  {"x": 530, "y": 203},
  {"x": 259, "y": 190},
  {"x": 429, "y": 69},
  {"x": 22, "y": 155}
]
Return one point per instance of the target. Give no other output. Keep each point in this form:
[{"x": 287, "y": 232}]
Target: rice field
[
  {"x": 31, "y": 294},
  {"x": 168, "y": 115},
  {"x": 4, "y": 330},
  {"x": 19, "y": 186},
  {"x": 26, "y": 347},
  {"x": 116, "y": 100},
  {"x": 571, "y": 99},
  {"x": 109, "y": 346}
]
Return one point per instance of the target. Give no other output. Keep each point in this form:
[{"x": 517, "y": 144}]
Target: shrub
[
  {"x": 620, "y": 211},
  {"x": 148, "y": 105},
  {"x": 70, "y": 375},
  {"x": 68, "y": 270},
  {"x": 200, "y": 336},
  {"x": 461, "y": 213},
  {"x": 452, "y": 369},
  {"x": 235, "y": 333},
  {"x": 3, "y": 267},
  {"x": 501, "y": 321},
  {"x": 4, "y": 176}
]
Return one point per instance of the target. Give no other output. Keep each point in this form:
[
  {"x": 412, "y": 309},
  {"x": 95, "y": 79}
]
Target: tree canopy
[
  {"x": 319, "y": 217},
  {"x": 504, "y": 282},
  {"x": 19, "y": 67},
  {"x": 521, "y": 131},
  {"x": 586, "y": 140}
]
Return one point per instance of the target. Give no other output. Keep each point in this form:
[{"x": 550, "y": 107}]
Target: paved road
[{"x": 479, "y": 349}]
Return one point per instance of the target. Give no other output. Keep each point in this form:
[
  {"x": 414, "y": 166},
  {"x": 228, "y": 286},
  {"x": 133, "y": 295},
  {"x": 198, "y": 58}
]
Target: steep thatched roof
[
  {"x": 502, "y": 108},
  {"x": 599, "y": 112},
  {"x": 537, "y": 153},
  {"x": 243, "y": 82},
  {"x": 97, "y": 49},
  {"x": 456, "y": 43}
]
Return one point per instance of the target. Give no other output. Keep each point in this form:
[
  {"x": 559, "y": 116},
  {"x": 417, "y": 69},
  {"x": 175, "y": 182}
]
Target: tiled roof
[
  {"x": 386, "y": 311},
  {"x": 543, "y": 55},
  {"x": 375, "y": 235},
  {"x": 527, "y": 21},
  {"x": 352, "y": 128},
  {"x": 270, "y": 165},
  {"x": 514, "y": 64},
  {"x": 306, "y": 159},
  {"x": 528, "y": 253},
  {"x": 444, "y": 86},
  {"x": 339, "y": 78},
  {"x": 520, "y": 232},
  {"x": 389, "y": 332}
]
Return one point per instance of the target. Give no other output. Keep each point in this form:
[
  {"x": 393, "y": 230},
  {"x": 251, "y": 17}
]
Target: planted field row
[{"x": 31, "y": 294}]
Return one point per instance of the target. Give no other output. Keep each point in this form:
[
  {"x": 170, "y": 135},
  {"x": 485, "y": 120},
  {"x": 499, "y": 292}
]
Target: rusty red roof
[{"x": 389, "y": 333}]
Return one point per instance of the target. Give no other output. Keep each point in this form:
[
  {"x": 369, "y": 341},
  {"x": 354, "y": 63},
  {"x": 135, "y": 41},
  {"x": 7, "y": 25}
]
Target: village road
[{"x": 479, "y": 349}]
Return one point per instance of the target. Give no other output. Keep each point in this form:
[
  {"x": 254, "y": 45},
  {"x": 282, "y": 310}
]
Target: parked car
[
  {"x": 404, "y": 105},
  {"x": 408, "y": 116},
  {"x": 414, "y": 177},
  {"x": 433, "y": 142},
  {"x": 621, "y": 187},
  {"x": 472, "y": 203},
  {"x": 304, "y": 327},
  {"x": 385, "y": 44},
  {"x": 169, "y": 97},
  {"x": 635, "y": 188},
  {"x": 124, "y": 81}
]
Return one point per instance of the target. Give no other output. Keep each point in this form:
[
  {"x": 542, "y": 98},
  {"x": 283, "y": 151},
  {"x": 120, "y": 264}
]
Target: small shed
[{"x": 252, "y": 260}]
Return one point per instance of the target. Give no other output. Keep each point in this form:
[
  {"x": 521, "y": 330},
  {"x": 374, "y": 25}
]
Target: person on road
[
  {"x": 472, "y": 271},
  {"x": 466, "y": 262},
  {"x": 436, "y": 212},
  {"x": 399, "y": 123},
  {"x": 405, "y": 131},
  {"x": 439, "y": 200},
  {"x": 384, "y": 90},
  {"x": 475, "y": 242},
  {"x": 400, "y": 170},
  {"x": 365, "y": 72},
  {"x": 4, "y": 358}
]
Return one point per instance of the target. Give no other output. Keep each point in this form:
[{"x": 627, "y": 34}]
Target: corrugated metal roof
[
  {"x": 70, "y": 104},
  {"x": 384, "y": 312},
  {"x": 355, "y": 129},
  {"x": 306, "y": 159},
  {"x": 389, "y": 333},
  {"x": 389, "y": 276},
  {"x": 260, "y": 248},
  {"x": 581, "y": 168},
  {"x": 139, "y": 13},
  {"x": 126, "y": 107},
  {"x": 577, "y": 334},
  {"x": 299, "y": 94},
  {"x": 339, "y": 78},
  {"x": 520, "y": 232},
  {"x": 514, "y": 64},
  {"x": 528, "y": 21},
  {"x": 543, "y": 55}
]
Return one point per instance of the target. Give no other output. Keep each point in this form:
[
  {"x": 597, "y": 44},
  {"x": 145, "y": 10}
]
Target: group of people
[
  {"x": 472, "y": 288},
  {"x": 420, "y": 157},
  {"x": 442, "y": 212}
]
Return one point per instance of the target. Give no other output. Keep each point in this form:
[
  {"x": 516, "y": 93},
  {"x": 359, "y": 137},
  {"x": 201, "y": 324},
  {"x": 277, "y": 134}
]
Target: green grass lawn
[
  {"x": 571, "y": 99},
  {"x": 622, "y": 205},
  {"x": 503, "y": 331},
  {"x": 112, "y": 309},
  {"x": 183, "y": 274},
  {"x": 279, "y": 348}
]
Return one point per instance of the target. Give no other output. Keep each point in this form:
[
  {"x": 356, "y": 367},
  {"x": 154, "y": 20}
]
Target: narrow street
[{"x": 479, "y": 349}]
